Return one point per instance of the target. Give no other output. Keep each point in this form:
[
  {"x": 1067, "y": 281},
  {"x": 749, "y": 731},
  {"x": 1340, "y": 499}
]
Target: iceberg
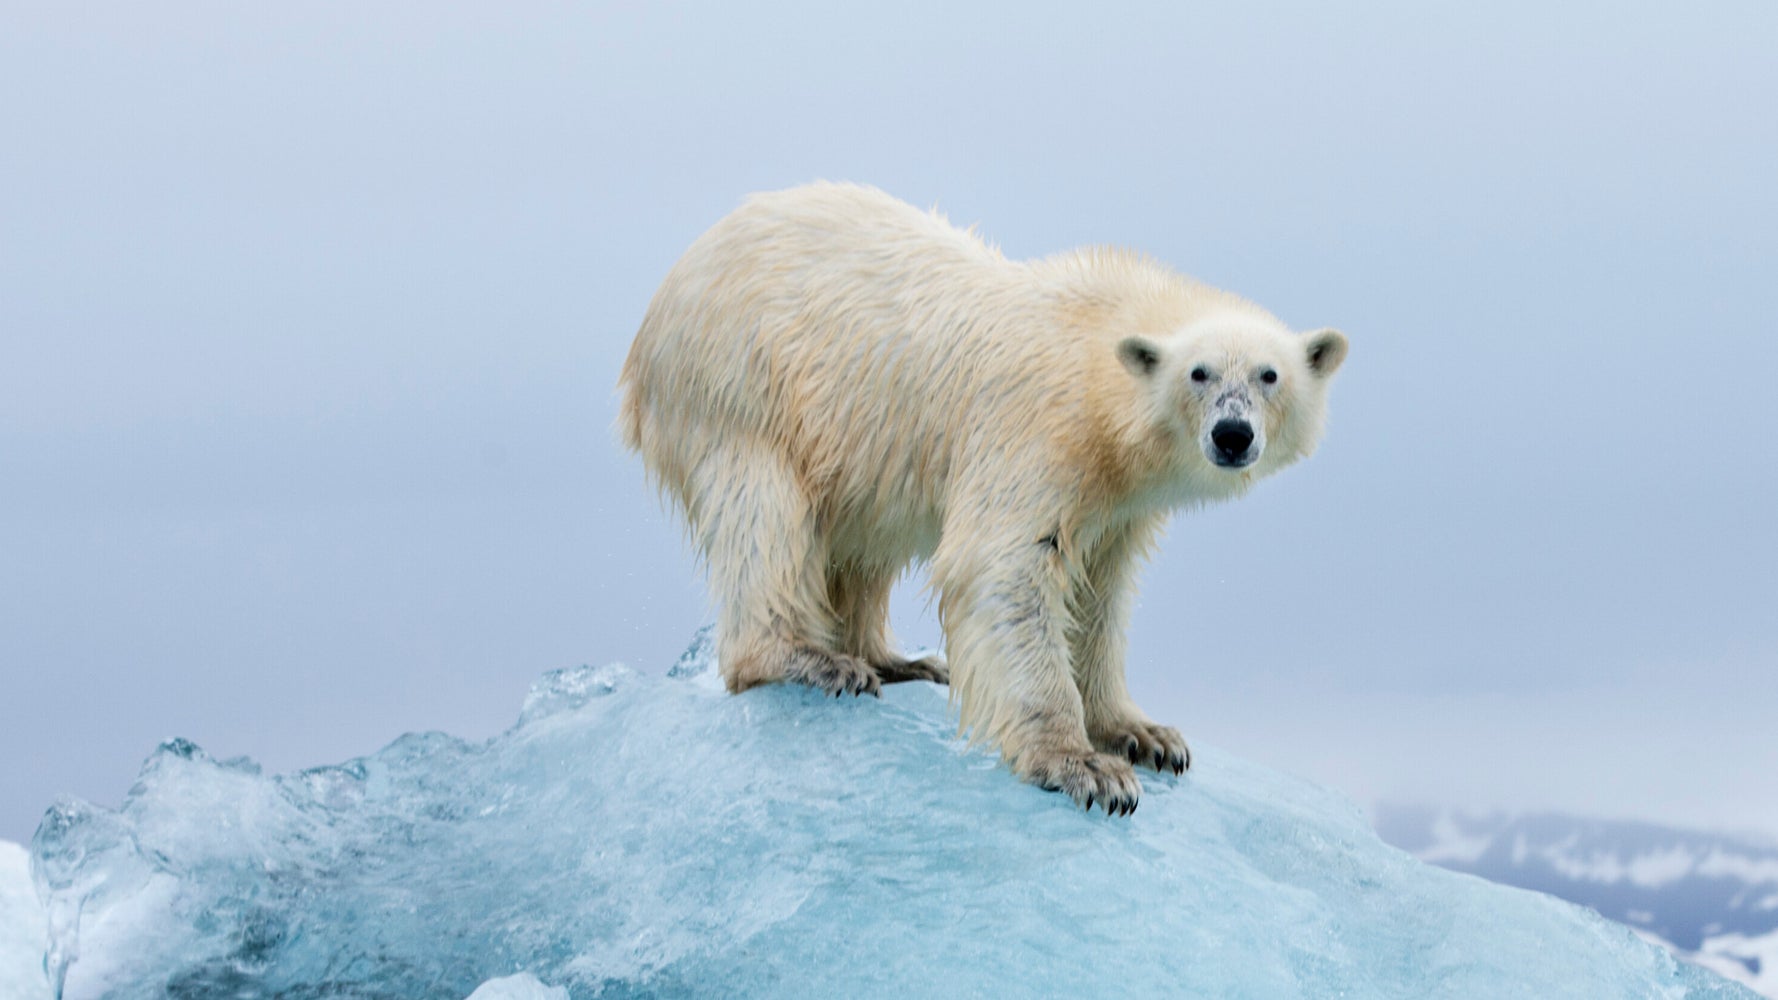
[
  {"x": 636, "y": 836},
  {"x": 21, "y": 928}
]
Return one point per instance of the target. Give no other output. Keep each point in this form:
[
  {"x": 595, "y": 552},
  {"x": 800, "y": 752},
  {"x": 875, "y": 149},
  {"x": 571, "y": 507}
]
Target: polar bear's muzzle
[
  {"x": 1234, "y": 439},
  {"x": 1232, "y": 444}
]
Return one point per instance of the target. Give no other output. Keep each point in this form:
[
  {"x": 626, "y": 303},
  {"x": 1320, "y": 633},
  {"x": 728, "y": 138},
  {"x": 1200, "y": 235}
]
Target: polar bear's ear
[
  {"x": 1326, "y": 350},
  {"x": 1139, "y": 354}
]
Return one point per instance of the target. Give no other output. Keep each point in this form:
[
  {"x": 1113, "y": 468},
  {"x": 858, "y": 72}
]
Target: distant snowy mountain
[{"x": 1712, "y": 898}]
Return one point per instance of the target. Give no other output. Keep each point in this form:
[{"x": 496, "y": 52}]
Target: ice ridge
[{"x": 635, "y": 836}]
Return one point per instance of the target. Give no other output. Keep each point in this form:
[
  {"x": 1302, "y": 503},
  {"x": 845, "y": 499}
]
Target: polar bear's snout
[
  {"x": 1232, "y": 441},
  {"x": 1236, "y": 438}
]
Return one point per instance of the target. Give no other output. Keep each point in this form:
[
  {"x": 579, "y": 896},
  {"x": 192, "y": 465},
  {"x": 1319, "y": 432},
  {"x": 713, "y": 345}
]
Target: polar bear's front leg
[
  {"x": 1006, "y": 618},
  {"x": 1102, "y": 603}
]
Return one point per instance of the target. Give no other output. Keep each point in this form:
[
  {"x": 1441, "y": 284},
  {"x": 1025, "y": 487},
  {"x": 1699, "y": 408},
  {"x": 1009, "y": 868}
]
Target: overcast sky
[{"x": 310, "y": 316}]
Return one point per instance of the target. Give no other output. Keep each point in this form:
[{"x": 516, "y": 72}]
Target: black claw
[
  {"x": 1089, "y": 803},
  {"x": 1160, "y": 757}
]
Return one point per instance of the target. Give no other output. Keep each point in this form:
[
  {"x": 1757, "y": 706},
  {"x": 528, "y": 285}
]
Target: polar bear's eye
[
  {"x": 1200, "y": 375},
  {"x": 1268, "y": 376}
]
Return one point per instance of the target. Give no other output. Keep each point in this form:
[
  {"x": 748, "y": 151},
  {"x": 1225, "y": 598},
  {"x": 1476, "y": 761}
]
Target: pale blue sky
[{"x": 310, "y": 316}]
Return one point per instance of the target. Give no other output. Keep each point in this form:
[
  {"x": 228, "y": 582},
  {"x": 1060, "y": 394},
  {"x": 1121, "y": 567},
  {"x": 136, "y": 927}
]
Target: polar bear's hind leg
[
  {"x": 860, "y": 597},
  {"x": 766, "y": 557}
]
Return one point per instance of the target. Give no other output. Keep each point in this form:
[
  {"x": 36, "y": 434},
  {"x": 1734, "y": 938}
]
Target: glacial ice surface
[
  {"x": 21, "y": 928},
  {"x": 654, "y": 837}
]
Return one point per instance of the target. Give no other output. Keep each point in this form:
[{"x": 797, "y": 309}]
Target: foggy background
[{"x": 310, "y": 317}]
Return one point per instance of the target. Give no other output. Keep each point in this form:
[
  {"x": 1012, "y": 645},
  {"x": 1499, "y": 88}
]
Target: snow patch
[
  {"x": 1451, "y": 844},
  {"x": 1720, "y": 862},
  {"x": 1599, "y": 866},
  {"x": 1650, "y": 869},
  {"x": 1657, "y": 868},
  {"x": 1751, "y": 961}
]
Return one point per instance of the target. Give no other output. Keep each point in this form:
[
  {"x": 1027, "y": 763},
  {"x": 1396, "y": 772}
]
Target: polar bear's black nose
[{"x": 1231, "y": 438}]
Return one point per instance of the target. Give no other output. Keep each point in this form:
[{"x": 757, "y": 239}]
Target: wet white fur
[{"x": 832, "y": 384}]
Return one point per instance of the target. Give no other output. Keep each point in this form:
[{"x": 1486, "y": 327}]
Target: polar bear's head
[{"x": 1237, "y": 393}]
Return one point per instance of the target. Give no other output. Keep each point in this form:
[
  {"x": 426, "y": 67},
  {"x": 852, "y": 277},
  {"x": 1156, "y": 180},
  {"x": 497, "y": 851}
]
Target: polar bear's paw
[
  {"x": 1147, "y": 744},
  {"x": 834, "y": 673},
  {"x": 928, "y": 668},
  {"x": 1086, "y": 777}
]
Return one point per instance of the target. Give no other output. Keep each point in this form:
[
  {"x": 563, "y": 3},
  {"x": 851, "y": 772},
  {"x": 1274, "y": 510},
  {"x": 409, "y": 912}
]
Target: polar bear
[{"x": 831, "y": 385}]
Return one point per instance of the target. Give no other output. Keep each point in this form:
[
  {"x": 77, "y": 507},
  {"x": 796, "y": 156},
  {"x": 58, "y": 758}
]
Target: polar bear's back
[{"x": 833, "y": 323}]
